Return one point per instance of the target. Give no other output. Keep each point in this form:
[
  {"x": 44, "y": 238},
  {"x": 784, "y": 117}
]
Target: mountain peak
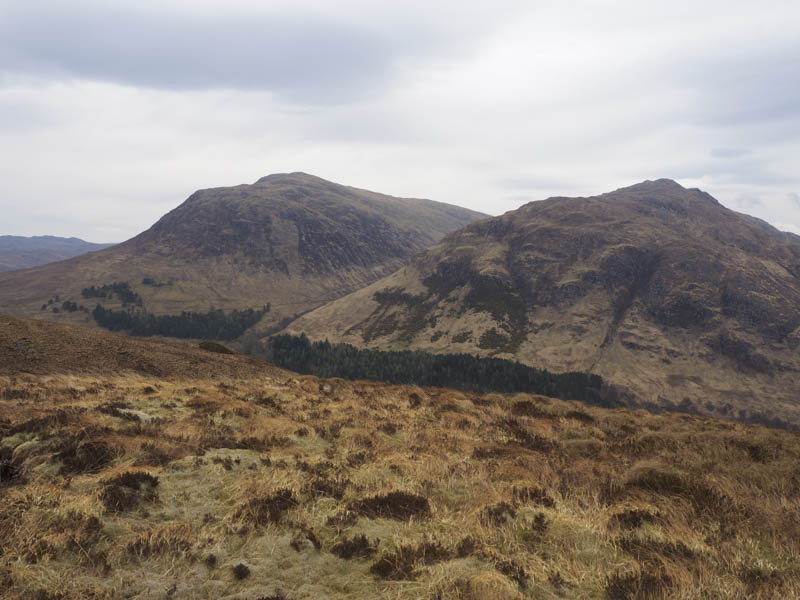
[
  {"x": 655, "y": 287},
  {"x": 292, "y": 240},
  {"x": 652, "y": 185},
  {"x": 664, "y": 189},
  {"x": 294, "y": 178}
]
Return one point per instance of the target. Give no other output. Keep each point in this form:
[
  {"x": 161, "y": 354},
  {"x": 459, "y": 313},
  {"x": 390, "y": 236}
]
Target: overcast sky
[{"x": 112, "y": 113}]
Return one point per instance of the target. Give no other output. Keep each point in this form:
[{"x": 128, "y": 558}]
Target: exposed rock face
[
  {"x": 660, "y": 289},
  {"x": 294, "y": 241}
]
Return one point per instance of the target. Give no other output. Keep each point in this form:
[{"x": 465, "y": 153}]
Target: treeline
[
  {"x": 155, "y": 282},
  {"x": 122, "y": 289},
  {"x": 212, "y": 325},
  {"x": 457, "y": 371}
]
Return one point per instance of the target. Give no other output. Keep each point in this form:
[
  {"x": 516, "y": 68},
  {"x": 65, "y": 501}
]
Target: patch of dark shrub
[
  {"x": 241, "y": 571},
  {"x": 632, "y": 519},
  {"x": 356, "y": 459},
  {"x": 401, "y": 564},
  {"x": 579, "y": 415},
  {"x": 261, "y": 510},
  {"x": 540, "y": 523},
  {"x": 327, "y": 487},
  {"x": 61, "y": 417},
  {"x": 489, "y": 452},
  {"x": 215, "y": 347},
  {"x": 389, "y": 428},
  {"x": 650, "y": 550},
  {"x": 342, "y": 519},
  {"x": 760, "y": 453},
  {"x": 705, "y": 499},
  {"x": 760, "y": 581},
  {"x": 225, "y": 461},
  {"x": 513, "y": 570},
  {"x": 400, "y": 506},
  {"x": 654, "y": 584},
  {"x": 268, "y": 401},
  {"x": 467, "y": 547},
  {"x": 558, "y": 582},
  {"x": 276, "y": 596},
  {"x": 533, "y": 495},
  {"x": 81, "y": 454},
  {"x": 528, "y": 408},
  {"x": 115, "y": 409},
  {"x": 152, "y": 455},
  {"x": 320, "y": 469},
  {"x": 9, "y": 472},
  {"x": 262, "y": 444},
  {"x": 331, "y": 432},
  {"x": 498, "y": 514},
  {"x": 303, "y": 539},
  {"x": 356, "y": 547},
  {"x": 610, "y": 490},
  {"x": 482, "y": 401},
  {"x": 526, "y": 439},
  {"x": 125, "y": 491}
]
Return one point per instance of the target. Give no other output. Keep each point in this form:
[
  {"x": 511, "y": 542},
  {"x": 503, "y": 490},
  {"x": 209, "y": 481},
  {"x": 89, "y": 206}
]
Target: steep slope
[
  {"x": 292, "y": 241},
  {"x": 18, "y": 252},
  {"x": 228, "y": 481},
  {"x": 661, "y": 290}
]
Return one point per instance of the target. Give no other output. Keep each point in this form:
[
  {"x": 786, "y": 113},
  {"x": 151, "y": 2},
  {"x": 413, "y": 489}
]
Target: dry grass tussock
[{"x": 281, "y": 486}]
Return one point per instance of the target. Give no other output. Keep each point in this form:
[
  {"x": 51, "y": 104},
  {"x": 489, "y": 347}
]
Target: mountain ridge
[{"x": 658, "y": 288}]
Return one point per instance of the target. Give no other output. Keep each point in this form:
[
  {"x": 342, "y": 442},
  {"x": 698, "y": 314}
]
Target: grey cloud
[
  {"x": 746, "y": 85},
  {"x": 736, "y": 168},
  {"x": 728, "y": 152},
  {"x": 748, "y": 201},
  {"x": 305, "y": 58},
  {"x": 532, "y": 182},
  {"x": 415, "y": 99},
  {"x": 17, "y": 115}
]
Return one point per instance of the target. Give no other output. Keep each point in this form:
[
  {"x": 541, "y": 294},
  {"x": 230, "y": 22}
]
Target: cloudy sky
[{"x": 113, "y": 112}]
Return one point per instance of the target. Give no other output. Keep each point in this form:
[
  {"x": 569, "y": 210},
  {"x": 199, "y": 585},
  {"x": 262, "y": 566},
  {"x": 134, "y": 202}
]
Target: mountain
[
  {"x": 18, "y": 252},
  {"x": 673, "y": 298},
  {"x": 289, "y": 241},
  {"x": 135, "y": 468}
]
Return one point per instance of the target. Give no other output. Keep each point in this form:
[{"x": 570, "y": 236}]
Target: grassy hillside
[
  {"x": 293, "y": 241},
  {"x": 240, "y": 480},
  {"x": 668, "y": 295}
]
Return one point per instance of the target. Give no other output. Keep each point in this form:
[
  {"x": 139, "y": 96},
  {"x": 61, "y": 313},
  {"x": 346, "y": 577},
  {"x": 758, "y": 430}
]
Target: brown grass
[{"x": 489, "y": 498}]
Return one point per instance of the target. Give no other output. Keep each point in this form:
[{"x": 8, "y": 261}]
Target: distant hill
[
  {"x": 665, "y": 293},
  {"x": 289, "y": 242},
  {"x": 18, "y": 252}
]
